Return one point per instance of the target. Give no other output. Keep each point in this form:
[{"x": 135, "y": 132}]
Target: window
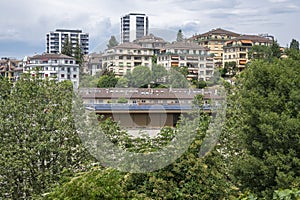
[
  {"x": 62, "y": 75},
  {"x": 74, "y": 76},
  {"x": 46, "y": 75},
  {"x": 62, "y": 69},
  {"x": 74, "y": 69}
]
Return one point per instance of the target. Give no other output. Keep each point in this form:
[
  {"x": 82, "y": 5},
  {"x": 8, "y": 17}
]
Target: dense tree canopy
[
  {"x": 265, "y": 126},
  {"x": 38, "y": 142},
  {"x": 107, "y": 80}
]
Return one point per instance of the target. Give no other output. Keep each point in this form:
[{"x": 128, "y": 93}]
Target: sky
[{"x": 25, "y": 23}]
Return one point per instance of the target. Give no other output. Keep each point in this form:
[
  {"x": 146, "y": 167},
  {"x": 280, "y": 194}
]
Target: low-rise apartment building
[
  {"x": 11, "y": 68},
  {"x": 214, "y": 40},
  {"x": 125, "y": 57},
  {"x": 151, "y": 42},
  {"x": 236, "y": 50},
  {"x": 53, "y": 66},
  {"x": 196, "y": 58}
]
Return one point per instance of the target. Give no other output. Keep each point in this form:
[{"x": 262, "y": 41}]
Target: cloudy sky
[{"x": 24, "y": 23}]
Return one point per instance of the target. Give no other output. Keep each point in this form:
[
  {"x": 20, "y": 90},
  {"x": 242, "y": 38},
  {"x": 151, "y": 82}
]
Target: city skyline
[{"x": 24, "y": 24}]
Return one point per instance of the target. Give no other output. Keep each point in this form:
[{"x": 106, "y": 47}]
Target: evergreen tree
[
  {"x": 112, "y": 42},
  {"x": 67, "y": 48},
  {"x": 294, "y": 44},
  {"x": 179, "y": 36}
]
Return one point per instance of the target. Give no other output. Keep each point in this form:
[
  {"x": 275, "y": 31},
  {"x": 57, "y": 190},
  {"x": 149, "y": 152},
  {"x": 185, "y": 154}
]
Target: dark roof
[
  {"x": 50, "y": 56},
  {"x": 253, "y": 38},
  {"x": 127, "y": 45},
  {"x": 184, "y": 45},
  {"x": 217, "y": 31},
  {"x": 149, "y": 39},
  {"x": 142, "y": 93}
]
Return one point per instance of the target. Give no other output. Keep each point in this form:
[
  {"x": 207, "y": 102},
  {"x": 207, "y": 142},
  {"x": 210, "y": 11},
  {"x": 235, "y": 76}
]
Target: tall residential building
[
  {"x": 133, "y": 26},
  {"x": 55, "y": 40}
]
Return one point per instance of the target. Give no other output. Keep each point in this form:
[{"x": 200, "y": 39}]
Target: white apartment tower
[
  {"x": 55, "y": 40},
  {"x": 133, "y": 26}
]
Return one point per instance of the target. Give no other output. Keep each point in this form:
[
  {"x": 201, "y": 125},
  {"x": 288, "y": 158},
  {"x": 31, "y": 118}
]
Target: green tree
[
  {"x": 266, "y": 127},
  {"x": 39, "y": 144},
  {"x": 260, "y": 52},
  {"x": 179, "y": 37},
  {"x": 275, "y": 48},
  {"x": 88, "y": 81},
  {"x": 159, "y": 73},
  {"x": 112, "y": 42},
  {"x": 78, "y": 54},
  {"x": 107, "y": 81},
  {"x": 231, "y": 68},
  {"x": 189, "y": 177},
  {"x": 177, "y": 78},
  {"x": 122, "y": 82},
  {"x": 139, "y": 77},
  {"x": 67, "y": 48},
  {"x": 294, "y": 44}
]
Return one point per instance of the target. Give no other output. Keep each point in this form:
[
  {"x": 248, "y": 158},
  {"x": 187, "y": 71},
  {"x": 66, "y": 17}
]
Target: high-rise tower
[
  {"x": 55, "y": 40},
  {"x": 133, "y": 26}
]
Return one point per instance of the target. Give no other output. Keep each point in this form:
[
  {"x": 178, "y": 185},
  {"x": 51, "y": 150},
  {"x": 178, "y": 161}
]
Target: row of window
[
  {"x": 234, "y": 56},
  {"x": 52, "y": 61},
  {"x": 166, "y": 58}
]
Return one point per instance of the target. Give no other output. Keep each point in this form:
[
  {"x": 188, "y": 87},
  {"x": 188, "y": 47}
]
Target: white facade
[
  {"x": 196, "y": 58},
  {"x": 55, "y": 40},
  {"x": 54, "y": 66},
  {"x": 133, "y": 26}
]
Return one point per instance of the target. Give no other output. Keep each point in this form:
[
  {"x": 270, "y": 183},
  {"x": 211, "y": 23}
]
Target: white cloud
[{"x": 29, "y": 21}]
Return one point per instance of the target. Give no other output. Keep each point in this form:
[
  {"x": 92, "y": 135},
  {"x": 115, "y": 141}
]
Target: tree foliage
[
  {"x": 230, "y": 68},
  {"x": 112, "y": 42},
  {"x": 139, "y": 77},
  {"x": 179, "y": 37},
  {"x": 38, "y": 141},
  {"x": 107, "y": 80},
  {"x": 189, "y": 177},
  {"x": 266, "y": 126},
  {"x": 67, "y": 48},
  {"x": 294, "y": 44}
]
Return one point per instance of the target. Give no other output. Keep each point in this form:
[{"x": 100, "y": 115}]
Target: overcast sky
[{"x": 24, "y": 23}]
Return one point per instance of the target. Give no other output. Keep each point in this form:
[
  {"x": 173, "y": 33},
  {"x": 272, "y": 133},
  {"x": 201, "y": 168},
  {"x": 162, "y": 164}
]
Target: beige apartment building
[
  {"x": 236, "y": 50},
  {"x": 178, "y": 54},
  {"x": 214, "y": 40},
  {"x": 125, "y": 57}
]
